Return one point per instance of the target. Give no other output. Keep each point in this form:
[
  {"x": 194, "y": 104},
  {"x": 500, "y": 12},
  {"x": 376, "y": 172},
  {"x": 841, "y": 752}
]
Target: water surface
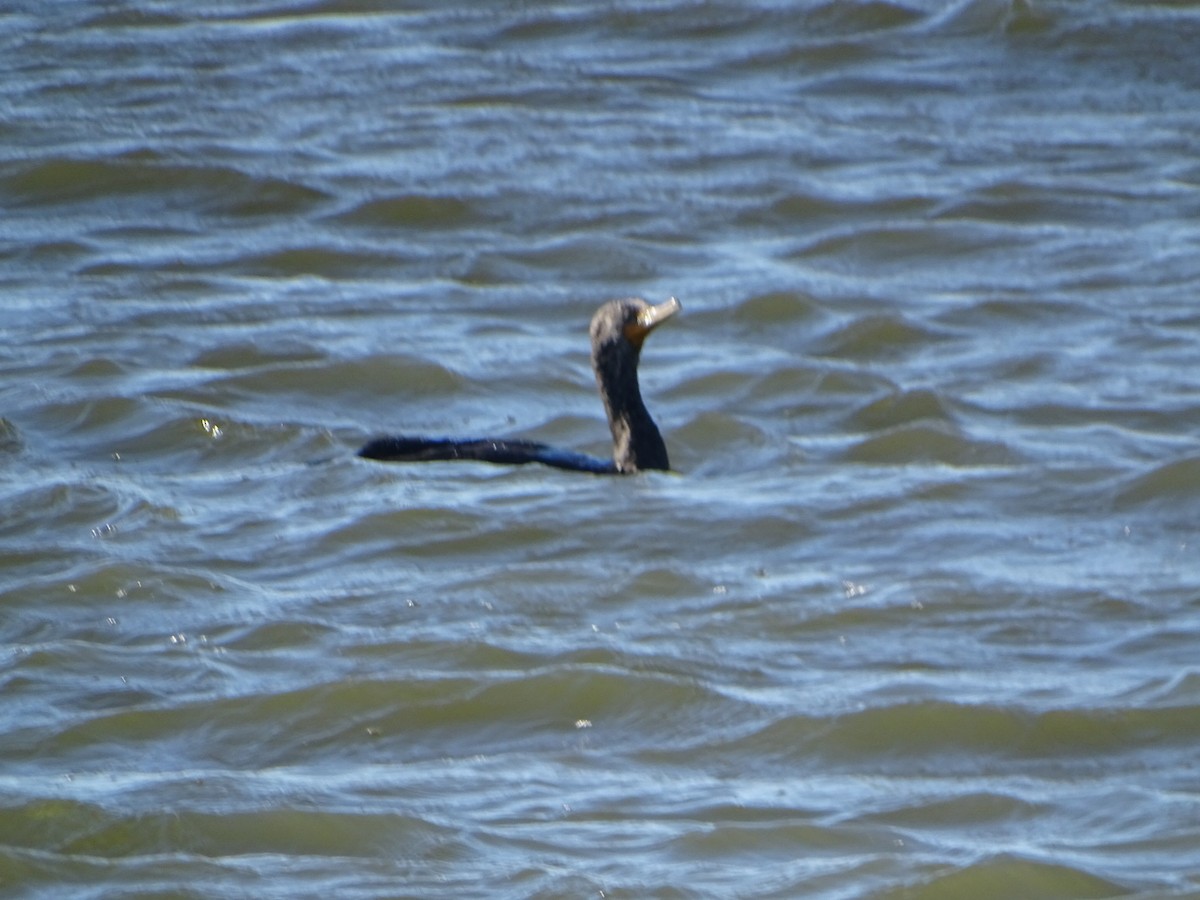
[{"x": 917, "y": 614}]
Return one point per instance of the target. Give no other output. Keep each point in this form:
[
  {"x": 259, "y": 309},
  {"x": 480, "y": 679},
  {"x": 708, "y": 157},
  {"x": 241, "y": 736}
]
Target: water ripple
[{"x": 916, "y": 613}]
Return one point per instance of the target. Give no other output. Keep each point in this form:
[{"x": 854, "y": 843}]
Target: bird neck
[{"x": 637, "y": 443}]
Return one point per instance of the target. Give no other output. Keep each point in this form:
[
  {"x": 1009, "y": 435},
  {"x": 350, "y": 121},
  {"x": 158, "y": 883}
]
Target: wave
[
  {"x": 1171, "y": 483},
  {"x": 217, "y": 190}
]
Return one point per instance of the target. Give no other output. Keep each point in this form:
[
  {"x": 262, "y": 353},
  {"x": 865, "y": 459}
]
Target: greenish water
[{"x": 915, "y": 617}]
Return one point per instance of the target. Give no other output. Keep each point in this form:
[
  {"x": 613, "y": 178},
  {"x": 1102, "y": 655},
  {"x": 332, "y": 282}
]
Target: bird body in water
[{"x": 617, "y": 332}]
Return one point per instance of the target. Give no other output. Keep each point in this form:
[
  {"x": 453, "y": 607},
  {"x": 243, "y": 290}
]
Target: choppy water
[{"x": 918, "y": 616}]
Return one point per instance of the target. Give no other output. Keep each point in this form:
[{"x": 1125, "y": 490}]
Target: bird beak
[{"x": 649, "y": 319}]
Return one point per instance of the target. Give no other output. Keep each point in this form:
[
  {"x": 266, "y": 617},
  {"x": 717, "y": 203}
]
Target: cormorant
[{"x": 617, "y": 331}]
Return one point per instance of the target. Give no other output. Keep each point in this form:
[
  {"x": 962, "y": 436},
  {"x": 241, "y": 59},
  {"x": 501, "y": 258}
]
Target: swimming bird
[{"x": 617, "y": 332}]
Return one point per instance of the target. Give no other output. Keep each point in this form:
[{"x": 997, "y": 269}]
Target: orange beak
[{"x": 649, "y": 319}]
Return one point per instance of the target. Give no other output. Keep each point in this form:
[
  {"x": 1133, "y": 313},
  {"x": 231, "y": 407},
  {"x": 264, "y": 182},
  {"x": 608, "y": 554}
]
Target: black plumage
[{"x": 617, "y": 332}]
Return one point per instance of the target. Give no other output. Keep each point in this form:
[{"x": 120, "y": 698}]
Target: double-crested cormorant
[{"x": 617, "y": 331}]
